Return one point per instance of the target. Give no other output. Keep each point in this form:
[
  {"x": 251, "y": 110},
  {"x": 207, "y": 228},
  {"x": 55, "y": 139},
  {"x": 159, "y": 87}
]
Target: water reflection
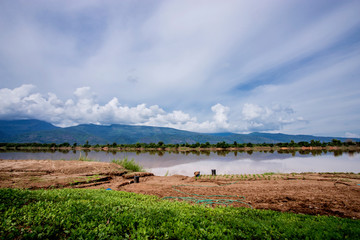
[
  {"x": 186, "y": 162},
  {"x": 317, "y": 152}
]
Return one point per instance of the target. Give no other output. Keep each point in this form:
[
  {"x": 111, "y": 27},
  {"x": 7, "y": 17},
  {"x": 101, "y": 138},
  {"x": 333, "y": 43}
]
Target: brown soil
[{"x": 306, "y": 193}]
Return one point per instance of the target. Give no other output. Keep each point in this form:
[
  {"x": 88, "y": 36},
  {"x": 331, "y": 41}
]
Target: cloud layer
[
  {"x": 23, "y": 102},
  {"x": 289, "y": 66}
]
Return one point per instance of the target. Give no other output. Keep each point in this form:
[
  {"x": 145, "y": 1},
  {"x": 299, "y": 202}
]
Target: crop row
[{"x": 264, "y": 176}]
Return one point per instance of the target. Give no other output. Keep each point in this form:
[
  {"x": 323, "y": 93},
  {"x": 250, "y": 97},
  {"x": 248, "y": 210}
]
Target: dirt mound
[
  {"x": 60, "y": 166},
  {"x": 53, "y": 174}
]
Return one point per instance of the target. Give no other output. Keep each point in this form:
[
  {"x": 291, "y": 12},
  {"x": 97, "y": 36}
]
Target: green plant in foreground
[
  {"x": 101, "y": 214},
  {"x": 129, "y": 165}
]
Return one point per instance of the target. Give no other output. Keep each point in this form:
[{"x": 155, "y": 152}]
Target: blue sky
[{"x": 207, "y": 66}]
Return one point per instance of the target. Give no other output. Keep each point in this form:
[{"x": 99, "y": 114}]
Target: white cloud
[
  {"x": 267, "y": 118},
  {"x": 22, "y": 102},
  {"x": 313, "y": 36},
  {"x": 253, "y": 111},
  {"x": 326, "y": 94},
  {"x": 220, "y": 117},
  {"x": 352, "y": 135}
]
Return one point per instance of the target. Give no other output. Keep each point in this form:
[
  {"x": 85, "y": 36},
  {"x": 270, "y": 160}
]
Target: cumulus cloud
[
  {"x": 267, "y": 118},
  {"x": 253, "y": 111},
  {"x": 21, "y": 102},
  {"x": 24, "y": 102},
  {"x": 220, "y": 117}
]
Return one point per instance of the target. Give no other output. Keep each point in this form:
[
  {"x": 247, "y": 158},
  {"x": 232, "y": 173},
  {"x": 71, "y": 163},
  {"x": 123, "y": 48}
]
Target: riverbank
[
  {"x": 190, "y": 149},
  {"x": 335, "y": 194}
]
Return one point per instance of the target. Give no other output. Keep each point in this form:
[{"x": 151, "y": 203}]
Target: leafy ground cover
[{"x": 101, "y": 214}]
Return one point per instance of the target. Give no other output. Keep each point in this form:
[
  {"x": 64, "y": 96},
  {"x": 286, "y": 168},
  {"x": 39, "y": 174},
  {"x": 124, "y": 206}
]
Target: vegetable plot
[{"x": 100, "y": 214}]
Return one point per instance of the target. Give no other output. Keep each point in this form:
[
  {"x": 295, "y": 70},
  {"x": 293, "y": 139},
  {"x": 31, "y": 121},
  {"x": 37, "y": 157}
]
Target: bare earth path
[{"x": 311, "y": 193}]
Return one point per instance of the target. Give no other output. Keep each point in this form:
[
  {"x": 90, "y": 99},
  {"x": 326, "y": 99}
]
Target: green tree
[
  {"x": 87, "y": 145},
  {"x": 195, "y": 145},
  {"x": 336, "y": 142},
  {"x": 249, "y": 144},
  {"x": 65, "y": 144}
]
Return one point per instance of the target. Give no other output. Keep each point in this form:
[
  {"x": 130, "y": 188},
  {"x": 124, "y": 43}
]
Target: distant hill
[
  {"x": 16, "y": 127},
  {"x": 21, "y": 131}
]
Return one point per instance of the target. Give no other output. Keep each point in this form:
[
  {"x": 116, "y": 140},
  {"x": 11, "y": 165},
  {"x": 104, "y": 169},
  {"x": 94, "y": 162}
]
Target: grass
[
  {"x": 101, "y": 214},
  {"x": 129, "y": 165},
  {"x": 35, "y": 179},
  {"x": 84, "y": 158},
  {"x": 85, "y": 179}
]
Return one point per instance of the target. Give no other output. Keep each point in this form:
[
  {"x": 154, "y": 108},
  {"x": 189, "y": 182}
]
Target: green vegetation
[
  {"x": 100, "y": 214},
  {"x": 162, "y": 146},
  {"x": 85, "y": 179},
  {"x": 129, "y": 165},
  {"x": 84, "y": 158}
]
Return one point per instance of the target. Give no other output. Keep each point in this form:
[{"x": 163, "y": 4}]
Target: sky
[{"x": 238, "y": 66}]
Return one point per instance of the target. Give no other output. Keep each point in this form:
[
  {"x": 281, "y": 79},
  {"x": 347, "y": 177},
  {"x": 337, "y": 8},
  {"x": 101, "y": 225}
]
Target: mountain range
[{"x": 26, "y": 131}]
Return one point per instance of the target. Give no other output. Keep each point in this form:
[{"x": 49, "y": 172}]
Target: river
[{"x": 225, "y": 162}]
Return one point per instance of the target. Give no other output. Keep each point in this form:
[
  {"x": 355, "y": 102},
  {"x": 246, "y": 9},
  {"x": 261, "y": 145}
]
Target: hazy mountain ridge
[{"x": 22, "y": 131}]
